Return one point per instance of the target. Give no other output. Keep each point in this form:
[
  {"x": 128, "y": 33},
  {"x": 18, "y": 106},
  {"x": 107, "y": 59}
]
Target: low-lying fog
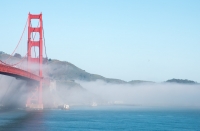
[
  {"x": 14, "y": 92},
  {"x": 157, "y": 95}
]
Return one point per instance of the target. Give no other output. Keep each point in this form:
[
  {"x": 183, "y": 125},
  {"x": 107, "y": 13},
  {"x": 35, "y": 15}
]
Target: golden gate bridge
[{"x": 29, "y": 68}]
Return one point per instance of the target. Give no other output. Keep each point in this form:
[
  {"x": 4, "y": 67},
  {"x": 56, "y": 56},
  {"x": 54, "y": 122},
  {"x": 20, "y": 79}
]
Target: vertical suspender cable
[{"x": 44, "y": 40}]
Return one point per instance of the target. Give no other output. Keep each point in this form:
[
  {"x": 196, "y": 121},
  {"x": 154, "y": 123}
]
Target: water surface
[{"x": 94, "y": 119}]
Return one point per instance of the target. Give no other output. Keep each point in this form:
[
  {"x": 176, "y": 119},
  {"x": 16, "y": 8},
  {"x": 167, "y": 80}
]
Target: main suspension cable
[{"x": 19, "y": 41}]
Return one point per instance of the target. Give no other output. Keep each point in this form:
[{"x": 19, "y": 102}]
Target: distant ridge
[
  {"x": 133, "y": 82},
  {"x": 181, "y": 81}
]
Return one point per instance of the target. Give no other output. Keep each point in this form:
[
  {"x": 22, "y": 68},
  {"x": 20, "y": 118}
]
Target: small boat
[{"x": 64, "y": 107}]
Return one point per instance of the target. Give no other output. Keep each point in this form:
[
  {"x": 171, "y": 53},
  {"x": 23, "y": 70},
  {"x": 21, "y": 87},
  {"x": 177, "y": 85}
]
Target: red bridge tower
[{"x": 35, "y": 100}]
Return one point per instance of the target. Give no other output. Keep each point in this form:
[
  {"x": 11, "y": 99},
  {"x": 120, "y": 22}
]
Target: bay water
[{"x": 123, "y": 118}]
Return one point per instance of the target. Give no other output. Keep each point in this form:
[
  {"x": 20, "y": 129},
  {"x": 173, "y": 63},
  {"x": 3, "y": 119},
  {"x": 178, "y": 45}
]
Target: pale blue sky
[{"x": 127, "y": 39}]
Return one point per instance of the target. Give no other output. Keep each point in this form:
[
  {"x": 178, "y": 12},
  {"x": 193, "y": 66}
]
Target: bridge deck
[{"x": 18, "y": 73}]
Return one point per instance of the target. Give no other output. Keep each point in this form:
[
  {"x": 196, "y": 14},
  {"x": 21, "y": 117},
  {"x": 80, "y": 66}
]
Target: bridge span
[{"x": 35, "y": 101}]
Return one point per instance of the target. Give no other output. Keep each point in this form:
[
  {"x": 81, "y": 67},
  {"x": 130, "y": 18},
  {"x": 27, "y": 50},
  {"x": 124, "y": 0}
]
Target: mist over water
[
  {"x": 147, "y": 95},
  {"x": 13, "y": 91}
]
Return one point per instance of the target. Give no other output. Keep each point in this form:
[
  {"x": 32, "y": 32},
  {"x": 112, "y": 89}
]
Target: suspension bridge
[{"x": 29, "y": 67}]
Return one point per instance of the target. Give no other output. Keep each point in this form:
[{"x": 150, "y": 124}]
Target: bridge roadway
[{"x": 19, "y": 73}]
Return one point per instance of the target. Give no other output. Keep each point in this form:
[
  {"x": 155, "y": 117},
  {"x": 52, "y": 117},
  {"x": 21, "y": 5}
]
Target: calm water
[{"x": 92, "y": 119}]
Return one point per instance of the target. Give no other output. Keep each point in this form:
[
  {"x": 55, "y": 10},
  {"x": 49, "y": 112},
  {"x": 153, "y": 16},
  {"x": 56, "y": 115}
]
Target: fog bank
[{"x": 156, "y": 95}]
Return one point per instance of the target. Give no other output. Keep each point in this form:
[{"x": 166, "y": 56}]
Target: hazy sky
[{"x": 127, "y": 39}]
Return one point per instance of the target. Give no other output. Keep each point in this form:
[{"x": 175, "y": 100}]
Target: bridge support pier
[{"x": 34, "y": 101}]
